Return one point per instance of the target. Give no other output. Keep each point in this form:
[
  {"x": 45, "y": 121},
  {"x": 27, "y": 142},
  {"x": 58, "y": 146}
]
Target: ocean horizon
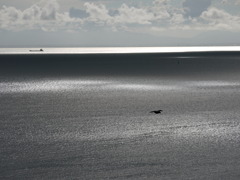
[{"x": 117, "y": 50}]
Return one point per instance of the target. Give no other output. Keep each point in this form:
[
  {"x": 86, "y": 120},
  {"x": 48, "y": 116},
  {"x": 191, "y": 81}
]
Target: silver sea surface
[
  {"x": 101, "y": 128},
  {"x": 120, "y": 50}
]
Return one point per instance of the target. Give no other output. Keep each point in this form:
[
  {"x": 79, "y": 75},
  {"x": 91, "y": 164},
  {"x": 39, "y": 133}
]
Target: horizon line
[{"x": 118, "y": 50}]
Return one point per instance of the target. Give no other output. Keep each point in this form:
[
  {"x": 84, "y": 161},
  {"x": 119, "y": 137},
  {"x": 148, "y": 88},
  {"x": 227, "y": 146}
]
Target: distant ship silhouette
[
  {"x": 40, "y": 50},
  {"x": 156, "y": 112}
]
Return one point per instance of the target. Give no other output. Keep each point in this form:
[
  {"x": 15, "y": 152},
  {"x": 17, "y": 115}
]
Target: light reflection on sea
[
  {"x": 85, "y": 85},
  {"x": 102, "y": 129},
  {"x": 215, "y": 125}
]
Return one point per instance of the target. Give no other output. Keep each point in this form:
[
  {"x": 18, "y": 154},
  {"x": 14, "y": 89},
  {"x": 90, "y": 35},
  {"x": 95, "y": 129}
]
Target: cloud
[
  {"x": 132, "y": 15},
  {"x": 216, "y": 15},
  {"x": 49, "y": 11},
  {"x": 44, "y": 15},
  {"x": 97, "y": 13},
  {"x": 158, "y": 17},
  {"x": 45, "y": 10},
  {"x": 194, "y": 8},
  {"x": 177, "y": 19},
  {"x": 161, "y": 9},
  {"x": 220, "y": 19}
]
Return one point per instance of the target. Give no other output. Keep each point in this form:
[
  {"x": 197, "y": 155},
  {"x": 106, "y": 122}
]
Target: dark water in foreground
[{"x": 96, "y": 124}]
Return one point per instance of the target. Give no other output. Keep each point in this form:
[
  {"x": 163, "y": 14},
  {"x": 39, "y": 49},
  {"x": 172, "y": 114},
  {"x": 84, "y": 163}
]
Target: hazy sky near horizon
[{"x": 119, "y": 23}]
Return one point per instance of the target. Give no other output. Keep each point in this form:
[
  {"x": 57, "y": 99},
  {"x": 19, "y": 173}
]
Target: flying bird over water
[{"x": 157, "y": 111}]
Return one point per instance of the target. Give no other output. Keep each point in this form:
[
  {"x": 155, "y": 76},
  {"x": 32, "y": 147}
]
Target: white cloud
[
  {"x": 49, "y": 11},
  {"x": 9, "y": 17},
  {"x": 161, "y": 9},
  {"x": 97, "y": 13},
  {"x": 132, "y": 15},
  {"x": 158, "y": 17},
  {"x": 123, "y": 15},
  {"x": 218, "y": 19},
  {"x": 177, "y": 19},
  {"x": 214, "y": 14},
  {"x": 44, "y": 15}
]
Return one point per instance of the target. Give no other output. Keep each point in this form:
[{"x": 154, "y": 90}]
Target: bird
[{"x": 156, "y": 112}]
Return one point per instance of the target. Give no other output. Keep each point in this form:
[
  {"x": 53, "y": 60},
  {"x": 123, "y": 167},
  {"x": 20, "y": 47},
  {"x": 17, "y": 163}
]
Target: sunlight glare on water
[
  {"x": 119, "y": 50},
  {"x": 213, "y": 83},
  {"x": 66, "y": 85},
  {"x": 48, "y": 85}
]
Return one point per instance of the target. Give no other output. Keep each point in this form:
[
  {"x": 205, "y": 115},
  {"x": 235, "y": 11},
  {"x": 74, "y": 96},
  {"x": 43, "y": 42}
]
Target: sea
[{"x": 86, "y": 114}]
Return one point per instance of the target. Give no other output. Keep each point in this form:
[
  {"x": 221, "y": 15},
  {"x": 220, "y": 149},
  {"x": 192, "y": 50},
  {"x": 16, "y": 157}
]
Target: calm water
[{"x": 98, "y": 126}]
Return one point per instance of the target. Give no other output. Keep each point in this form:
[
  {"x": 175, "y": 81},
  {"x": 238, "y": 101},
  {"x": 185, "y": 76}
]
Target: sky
[{"x": 108, "y": 23}]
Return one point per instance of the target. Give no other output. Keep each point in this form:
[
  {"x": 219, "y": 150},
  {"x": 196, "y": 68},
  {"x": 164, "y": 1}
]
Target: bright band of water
[
  {"x": 119, "y": 50},
  {"x": 96, "y": 85}
]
